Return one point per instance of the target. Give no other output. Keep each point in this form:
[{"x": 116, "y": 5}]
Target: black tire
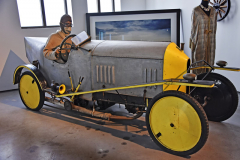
[
  {"x": 174, "y": 129},
  {"x": 27, "y": 86},
  {"x": 224, "y": 97}
]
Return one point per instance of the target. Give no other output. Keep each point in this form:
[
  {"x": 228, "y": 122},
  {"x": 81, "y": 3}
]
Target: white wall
[
  {"x": 228, "y": 33},
  {"x": 12, "y": 36},
  {"x": 132, "y": 5}
]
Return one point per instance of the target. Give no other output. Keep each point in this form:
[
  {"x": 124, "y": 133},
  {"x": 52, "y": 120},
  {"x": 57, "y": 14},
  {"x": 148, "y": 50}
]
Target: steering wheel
[{"x": 64, "y": 56}]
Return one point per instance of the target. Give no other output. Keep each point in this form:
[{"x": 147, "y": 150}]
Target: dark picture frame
[{"x": 173, "y": 14}]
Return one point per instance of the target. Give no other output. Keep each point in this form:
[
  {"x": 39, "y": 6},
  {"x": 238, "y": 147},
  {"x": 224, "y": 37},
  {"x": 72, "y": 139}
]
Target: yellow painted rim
[
  {"x": 29, "y": 91},
  {"x": 175, "y": 123}
]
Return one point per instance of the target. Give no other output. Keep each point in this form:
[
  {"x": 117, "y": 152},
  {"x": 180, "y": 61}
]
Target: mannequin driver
[{"x": 52, "y": 50}]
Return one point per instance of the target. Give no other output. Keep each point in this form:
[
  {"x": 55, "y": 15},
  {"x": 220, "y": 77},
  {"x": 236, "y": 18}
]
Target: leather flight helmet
[{"x": 65, "y": 18}]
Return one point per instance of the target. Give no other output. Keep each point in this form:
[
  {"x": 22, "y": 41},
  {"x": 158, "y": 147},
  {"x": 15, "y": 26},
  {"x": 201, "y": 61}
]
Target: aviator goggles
[{"x": 67, "y": 24}]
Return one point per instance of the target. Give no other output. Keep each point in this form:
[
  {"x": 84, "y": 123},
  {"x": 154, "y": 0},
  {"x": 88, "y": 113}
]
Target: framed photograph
[{"x": 150, "y": 25}]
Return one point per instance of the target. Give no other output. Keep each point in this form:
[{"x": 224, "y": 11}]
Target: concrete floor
[{"x": 53, "y": 133}]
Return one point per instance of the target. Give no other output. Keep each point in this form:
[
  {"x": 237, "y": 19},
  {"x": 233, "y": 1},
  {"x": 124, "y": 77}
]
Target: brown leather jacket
[{"x": 54, "y": 41}]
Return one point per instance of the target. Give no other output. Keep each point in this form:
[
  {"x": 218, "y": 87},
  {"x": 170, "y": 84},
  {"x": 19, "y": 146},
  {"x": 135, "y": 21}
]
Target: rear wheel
[
  {"x": 177, "y": 123},
  {"x": 30, "y": 91},
  {"x": 223, "y": 99}
]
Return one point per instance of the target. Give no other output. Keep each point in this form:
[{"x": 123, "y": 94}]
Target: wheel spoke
[
  {"x": 215, "y": 1},
  {"x": 222, "y": 10},
  {"x": 220, "y": 14},
  {"x": 211, "y": 3},
  {"x": 223, "y": 2},
  {"x": 223, "y": 6}
]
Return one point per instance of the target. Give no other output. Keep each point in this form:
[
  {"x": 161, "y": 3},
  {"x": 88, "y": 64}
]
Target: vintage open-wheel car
[{"x": 147, "y": 77}]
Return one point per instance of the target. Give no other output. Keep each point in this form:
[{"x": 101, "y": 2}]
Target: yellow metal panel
[
  {"x": 178, "y": 123},
  {"x": 175, "y": 66}
]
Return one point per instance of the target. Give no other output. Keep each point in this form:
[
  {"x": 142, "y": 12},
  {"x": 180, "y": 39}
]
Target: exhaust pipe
[{"x": 59, "y": 89}]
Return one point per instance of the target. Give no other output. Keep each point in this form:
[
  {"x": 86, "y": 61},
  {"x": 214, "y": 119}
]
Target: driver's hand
[
  {"x": 57, "y": 52},
  {"x": 73, "y": 46},
  {"x": 67, "y": 46}
]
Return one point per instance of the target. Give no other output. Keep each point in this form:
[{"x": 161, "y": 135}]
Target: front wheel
[
  {"x": 30, "y": 91},
  {"x": 177, "y": 123}
]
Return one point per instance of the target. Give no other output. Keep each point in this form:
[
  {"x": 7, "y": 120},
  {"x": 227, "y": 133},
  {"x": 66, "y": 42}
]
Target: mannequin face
[{"x": 68, "y": 27}]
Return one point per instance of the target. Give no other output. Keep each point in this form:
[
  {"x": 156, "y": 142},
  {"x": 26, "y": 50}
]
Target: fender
[{"x": 35, "y": 71}]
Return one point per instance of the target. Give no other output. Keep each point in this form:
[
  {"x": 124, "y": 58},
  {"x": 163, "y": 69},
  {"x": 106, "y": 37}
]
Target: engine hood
[{"x": 127, "y": 49}]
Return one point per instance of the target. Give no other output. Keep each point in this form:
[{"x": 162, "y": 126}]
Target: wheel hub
[{"x": 216, "y": 6}]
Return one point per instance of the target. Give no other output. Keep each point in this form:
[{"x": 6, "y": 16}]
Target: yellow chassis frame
[
  {"x": 220, "y": 68},
  {"x": 214, "y": 67},
  {"x": 166, "y": 82}
]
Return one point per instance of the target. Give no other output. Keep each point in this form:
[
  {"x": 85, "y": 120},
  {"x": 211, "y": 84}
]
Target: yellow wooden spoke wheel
[
  {"x": 30, "y": 91},
  {"x": 177, "y": 123}
]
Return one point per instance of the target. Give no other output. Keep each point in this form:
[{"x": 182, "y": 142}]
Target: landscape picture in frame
[{"x": 155, "y": 30}]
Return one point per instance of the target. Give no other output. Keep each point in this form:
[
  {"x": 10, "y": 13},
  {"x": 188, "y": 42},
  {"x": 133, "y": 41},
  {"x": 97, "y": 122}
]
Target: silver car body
[{"x": 107, "y": 64}]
